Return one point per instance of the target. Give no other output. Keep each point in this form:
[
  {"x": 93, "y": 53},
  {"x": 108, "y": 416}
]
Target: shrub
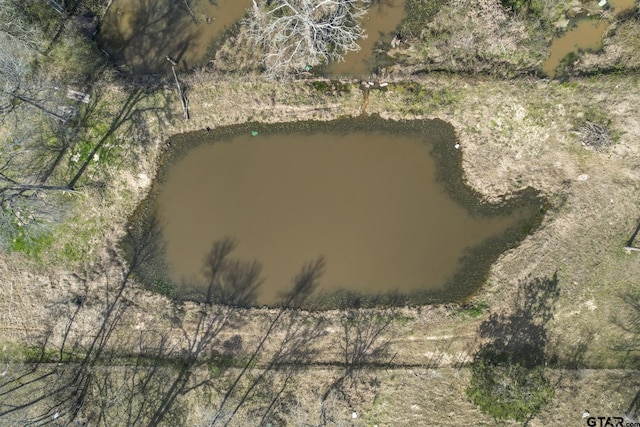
[
  {"x": 526, "y": 8},
  {"x": 509, "y": 390},
  {"x": 418, "y": 13}
]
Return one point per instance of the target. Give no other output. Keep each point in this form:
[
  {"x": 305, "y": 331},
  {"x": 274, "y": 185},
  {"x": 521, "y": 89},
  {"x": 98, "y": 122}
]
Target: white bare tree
[{"x": 296, "y": 34}]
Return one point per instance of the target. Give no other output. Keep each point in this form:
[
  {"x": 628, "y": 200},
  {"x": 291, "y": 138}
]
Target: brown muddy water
[
  {"x": 142, "y": 33},
  {"x": 382, "y": 202},
  {"x": 586, "y": 35},
  {"x": 382, "y": 18}
]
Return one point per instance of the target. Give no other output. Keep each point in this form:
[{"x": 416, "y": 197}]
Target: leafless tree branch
[{"x": 296, "y": 34}]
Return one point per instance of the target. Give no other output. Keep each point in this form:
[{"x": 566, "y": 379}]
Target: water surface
[
  {"x": 586, "y": 35},
  {"x": 383, "y": 17},
  {"x": 142, "y": 33},
  {"x": 374, "y": 204}
]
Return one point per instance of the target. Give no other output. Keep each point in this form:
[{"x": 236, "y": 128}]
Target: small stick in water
[{"x": 186, "y": 3}]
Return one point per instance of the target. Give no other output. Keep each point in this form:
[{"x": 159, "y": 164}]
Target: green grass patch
[
  {"x": 509, "y": 391},
  {"x": 98, "y": 144},
  {"x": 418, "y": 13},
  {"x": 23, "y": 353},
  {"x": 32, "y": 246},
  {"x": 76, "y": 236},
  {"x": 39, "y": 14},
  {"x": 335, "y": 87},
  {"x": 36, "y": 354},
  {"x": 73, "y": 59},
  {"x": 164, "y": 287},
  {"x": 421, "y": 99},
  {"x": 525, "y": 8},
  {"x": 474, "y": 310},
  {"x": 403, "y": 320}
]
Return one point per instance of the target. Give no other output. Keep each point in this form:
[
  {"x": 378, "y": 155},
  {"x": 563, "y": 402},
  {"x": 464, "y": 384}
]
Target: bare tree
[
  {"x": 19, "y": 86},
  {"x": 296, "y": 34},
  {"x": 27, "y": 202},
  {"x": 58, "y": 6},
  {"x": 15, "y": 29}
]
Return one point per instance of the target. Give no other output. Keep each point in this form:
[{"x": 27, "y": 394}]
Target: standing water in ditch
[
  {"x": 586, "y": 35},
  {"x": 142, "y": 33},
  {"x": 382, "y": 17},
  {"x": 375, "y": 204}
]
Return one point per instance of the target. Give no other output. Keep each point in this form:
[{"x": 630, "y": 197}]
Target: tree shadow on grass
[
  {"x": 113, "y": 375},
  {"x": 628, "y": 320},
  {"x": 364, "y": 343},
  {"x": 520, "y": 332},
  {"x": 66, "y": 387},
  {"x": 165, "y": 374},
  {"x": 508, "y": 379},
  {"x": 634, "y": 235},
  {"x": 294, "y": 348}
]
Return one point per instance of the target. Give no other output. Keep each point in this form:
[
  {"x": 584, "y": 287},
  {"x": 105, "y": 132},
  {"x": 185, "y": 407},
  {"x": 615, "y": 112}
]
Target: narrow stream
[{"x": 140, "y": 34}]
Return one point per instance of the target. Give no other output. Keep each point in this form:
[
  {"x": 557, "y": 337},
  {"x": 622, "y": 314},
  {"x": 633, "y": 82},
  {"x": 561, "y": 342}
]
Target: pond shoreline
[{"x": 448, "y": 161}]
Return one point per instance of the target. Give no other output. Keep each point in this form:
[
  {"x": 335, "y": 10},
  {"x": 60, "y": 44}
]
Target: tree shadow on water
[
  {"x": 157, "y": 29},
  {"x": 115, "y": 374},
  {"x": 232, "y": 282}
]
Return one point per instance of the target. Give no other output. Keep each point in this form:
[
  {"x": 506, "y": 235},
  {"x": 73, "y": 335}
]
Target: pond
[{"x": 382, "y": 202}]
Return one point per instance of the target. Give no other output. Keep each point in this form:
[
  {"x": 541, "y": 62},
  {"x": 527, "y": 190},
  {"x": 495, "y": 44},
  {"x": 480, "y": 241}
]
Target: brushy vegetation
[
  {"x": 418, "y": 12},
  {"x": 508, "y": 379},
  {"x": 506, "y": 39},
  {"x": 620, "y": 50},
  {"x": 509, "y": 391},
  {"x": 474, "y": 310},
  {"x": 595, "y": 130}
]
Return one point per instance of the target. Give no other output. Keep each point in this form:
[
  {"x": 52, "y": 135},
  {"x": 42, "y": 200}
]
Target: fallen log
[{"x": 183, "y": 99}]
